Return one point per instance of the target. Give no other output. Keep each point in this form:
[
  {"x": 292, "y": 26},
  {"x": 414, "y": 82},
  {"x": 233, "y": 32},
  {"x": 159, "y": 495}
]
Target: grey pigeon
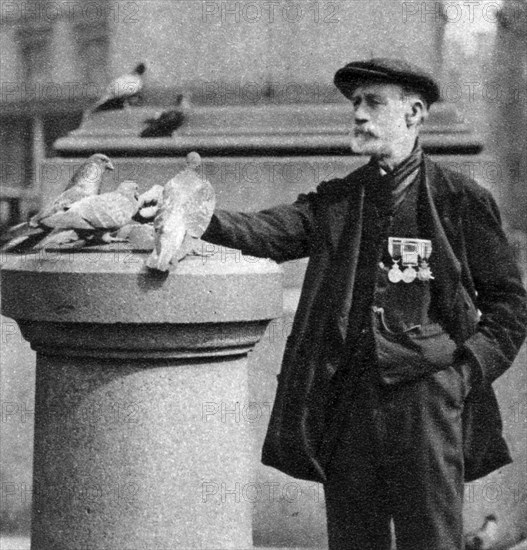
[
  {"x": 164, "y": 124},
  {"x": 185, "y": 212},
  {"x": 94, "y": 218},
  {"x": 85, "y": 182}
]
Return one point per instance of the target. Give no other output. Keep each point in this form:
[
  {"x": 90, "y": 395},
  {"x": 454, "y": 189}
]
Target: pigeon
[
  {"x": 167, "y": 122},
  {"x": 94, "y": 218},
  {"x": 121, "y": 90},
  {"x": 185, "y": 212},
  {"x": 485, "y": 537},
  {"x": 149, "y": 203},
  {"x": 85, "y": 182}
]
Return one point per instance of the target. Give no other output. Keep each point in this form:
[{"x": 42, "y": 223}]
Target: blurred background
[{"x": 57, "y": 58}]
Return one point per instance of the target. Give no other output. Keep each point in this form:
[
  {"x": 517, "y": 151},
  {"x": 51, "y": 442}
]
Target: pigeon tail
[
  {"x": 160, "y": 262},
  {"x": 57, "y": 238},
  {"x": 15, "y": 231},
  {"x": 22, "y": 237}
]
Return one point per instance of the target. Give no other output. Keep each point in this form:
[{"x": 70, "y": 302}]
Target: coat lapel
[
  {"x": 345, "y": 202},
  {"x": 437, "y": 220},
  {"x": 344, "y": 218}
]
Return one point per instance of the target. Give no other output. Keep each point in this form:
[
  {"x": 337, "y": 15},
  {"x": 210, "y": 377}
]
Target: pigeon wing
[
  {"x": 124, "y": 86},
  {"x": 174, "y": 195},
  {"x": 110, "y": 210},
  {"x": 71, "y": 218},
  {"x": 60, "y": 204},
  {"x": 199, "y": 209},
  {"x": 169, "y": 225},
  {"x": 107, "y": 211}
]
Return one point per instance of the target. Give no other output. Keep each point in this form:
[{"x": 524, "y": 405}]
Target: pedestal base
[{"x": 132, "y": 456}]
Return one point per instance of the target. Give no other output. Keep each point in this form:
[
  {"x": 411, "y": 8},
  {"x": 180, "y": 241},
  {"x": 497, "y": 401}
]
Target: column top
[{"x": 112, "y": 285}]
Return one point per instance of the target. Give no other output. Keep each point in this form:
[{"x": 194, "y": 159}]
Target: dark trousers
[{"x": 399, "y": 456}]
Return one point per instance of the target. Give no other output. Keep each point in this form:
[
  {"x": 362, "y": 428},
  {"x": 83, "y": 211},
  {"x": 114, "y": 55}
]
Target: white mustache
[{"x": 362, "y": 132}]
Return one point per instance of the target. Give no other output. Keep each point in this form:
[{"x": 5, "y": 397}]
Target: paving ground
[{"x": 23, "y": 543}]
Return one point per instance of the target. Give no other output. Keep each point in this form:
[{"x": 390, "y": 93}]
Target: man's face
[{"x": 379, "y": 119}]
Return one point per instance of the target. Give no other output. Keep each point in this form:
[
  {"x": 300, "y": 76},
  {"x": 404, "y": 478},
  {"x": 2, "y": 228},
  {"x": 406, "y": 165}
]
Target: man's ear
[{"x": 416, "y": 112}]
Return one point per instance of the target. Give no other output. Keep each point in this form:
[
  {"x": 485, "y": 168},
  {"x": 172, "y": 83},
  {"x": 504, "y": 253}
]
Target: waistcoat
[{"x": 404, "y": 343}]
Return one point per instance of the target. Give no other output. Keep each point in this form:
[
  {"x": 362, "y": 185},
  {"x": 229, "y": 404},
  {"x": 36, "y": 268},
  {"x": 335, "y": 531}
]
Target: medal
[
  {"x": 395, "y": 274},
  {"x": 412, "y": 253},
  {"x": 425, "y": 273},
  {"x": 409, "y": 274}
]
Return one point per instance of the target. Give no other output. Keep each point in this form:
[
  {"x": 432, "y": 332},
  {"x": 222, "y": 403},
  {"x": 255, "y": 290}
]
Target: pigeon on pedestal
[
  {"x": 94, "y": 219},
  {"x": 184, "y": 214},
  {"x": 85, "y": 182}
]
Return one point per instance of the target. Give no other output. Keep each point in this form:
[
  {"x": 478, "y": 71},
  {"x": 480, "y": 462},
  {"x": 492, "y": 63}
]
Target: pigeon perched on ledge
[
  {"x": 167, "y": 122},
  {"x": 185, "y": 212},
  {"x": 94, "y": 219},
  {"x": 121, "y": 91},
  {"x": 149, "y": 203},
  {"x": 85, "y": 182}
]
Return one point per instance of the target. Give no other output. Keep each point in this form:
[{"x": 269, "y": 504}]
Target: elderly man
[{"x": 412, "y": 305}]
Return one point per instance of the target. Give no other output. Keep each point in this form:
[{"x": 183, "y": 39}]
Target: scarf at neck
[{"x": 388, "y": 190}]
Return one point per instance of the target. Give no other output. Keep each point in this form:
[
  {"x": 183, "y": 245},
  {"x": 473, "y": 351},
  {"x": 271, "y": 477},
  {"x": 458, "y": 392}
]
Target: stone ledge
[
  {"x": 301, "y": 129},
  {"x": 104, "y": 288}
]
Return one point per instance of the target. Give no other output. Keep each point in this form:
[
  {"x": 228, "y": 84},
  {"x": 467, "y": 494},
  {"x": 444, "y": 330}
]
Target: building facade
[{"x": 57, "y": 58}]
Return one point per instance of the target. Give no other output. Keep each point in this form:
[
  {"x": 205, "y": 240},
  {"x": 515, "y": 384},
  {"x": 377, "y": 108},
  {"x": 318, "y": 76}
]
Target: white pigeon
[
  {"x": 185, "y": 212},
  {"x": 121, "y": 90}
]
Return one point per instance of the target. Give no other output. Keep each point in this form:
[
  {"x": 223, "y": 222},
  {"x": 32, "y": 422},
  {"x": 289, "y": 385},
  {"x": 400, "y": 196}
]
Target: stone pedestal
[{"x": 141, "y": 393}]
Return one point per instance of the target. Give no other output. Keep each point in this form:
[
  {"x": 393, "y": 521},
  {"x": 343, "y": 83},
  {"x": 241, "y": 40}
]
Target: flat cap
[{"x": 393, "y": 71}]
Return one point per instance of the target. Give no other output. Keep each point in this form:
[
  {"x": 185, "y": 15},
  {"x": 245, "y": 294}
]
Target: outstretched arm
[{"x": 281, "y": 233}]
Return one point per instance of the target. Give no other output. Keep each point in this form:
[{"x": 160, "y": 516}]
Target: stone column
[{"x": 141, "y": 388}]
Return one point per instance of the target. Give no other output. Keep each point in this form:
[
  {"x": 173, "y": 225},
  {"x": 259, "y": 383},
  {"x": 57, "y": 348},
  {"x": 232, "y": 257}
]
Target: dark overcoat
[{"x": 475, "y": 273}]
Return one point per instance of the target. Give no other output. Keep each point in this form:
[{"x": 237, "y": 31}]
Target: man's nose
[{"x": 360, "y": 114}]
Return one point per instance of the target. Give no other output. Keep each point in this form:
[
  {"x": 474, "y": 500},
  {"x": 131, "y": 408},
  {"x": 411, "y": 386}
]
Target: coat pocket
[{"x": 413, "y": 353}]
